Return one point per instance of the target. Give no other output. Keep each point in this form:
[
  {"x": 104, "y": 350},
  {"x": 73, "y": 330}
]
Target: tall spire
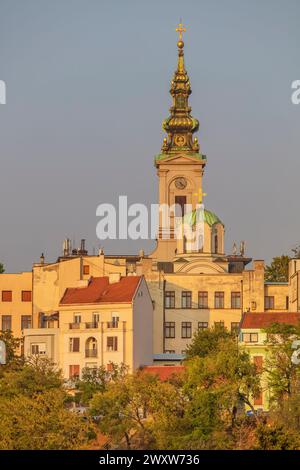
[{"x": 180, "y": 125}]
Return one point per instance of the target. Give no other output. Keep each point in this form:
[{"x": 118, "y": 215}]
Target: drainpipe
[{"x": 164, "y": 317}]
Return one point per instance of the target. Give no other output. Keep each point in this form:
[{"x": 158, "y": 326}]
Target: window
[
  {"x": 86, "y": 269},
  {"x": 180, "y": 202},
  {"x": 186, "y": 299},
  {"x": 74, "y": 371},
  {"x": 219, "y": 325},
  {"x": 114, "y": 323},
  {"x": 235, "y": 327},
  {"x": 202, "y": 299},
  {"x": 258, "y": 399},
  {"x": 6, "y": 322},
  {"x": 269, "y": 302},
  {"x": 26, "y": 296},
  {"x": 235, "y": 300},
  {"x": 96, "y": 320},
  {"x": 6, "y": 296},
  {"x": 219, "y": 299},
  {"x": 169, "y": 299},
  {"x": 112, "y": 343},
  {"x": 25, "y": 321},
  {"x": 186, "y": 329},
  {"x": 216, "y": 244},
  {"x": 287, "y": 302},
  {"x": 110, "y": 367},
  {"x": 250, "y": 337},
  {"x": 258, "y": 362},
  {"x": 202, "y": 325},
  {"x": 170, "y": 329},
  {"x": 77, "y": 318},
  {"x": 38, "y": 348},
  {"x": 74, "y": 344}
]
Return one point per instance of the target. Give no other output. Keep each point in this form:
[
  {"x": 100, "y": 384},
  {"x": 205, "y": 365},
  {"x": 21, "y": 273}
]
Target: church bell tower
[{"x": 180, "y": 165}]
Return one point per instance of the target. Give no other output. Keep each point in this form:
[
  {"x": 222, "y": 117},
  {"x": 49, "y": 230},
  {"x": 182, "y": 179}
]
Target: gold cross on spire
[
  {"x": 180, "y": 29},
  {"x": 200, "y": 195}
]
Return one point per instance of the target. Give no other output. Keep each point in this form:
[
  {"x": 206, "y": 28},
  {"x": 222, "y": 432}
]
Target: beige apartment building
[{"x": 103, "y": 320}]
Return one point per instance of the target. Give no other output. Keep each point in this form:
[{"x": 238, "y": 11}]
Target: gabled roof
[
  {"x": 262, "y": 320},
  {"x": 99, "y": 290}
]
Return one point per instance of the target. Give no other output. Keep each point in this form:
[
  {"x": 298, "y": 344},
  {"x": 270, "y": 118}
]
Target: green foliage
[
  {"x": 278, "y": 269},
  {"x": 41, "y": 422},
  {"x": 122, "y": 407},
  {"x": 33, "y": 412},
  {"x": 207, "y": 341},
  {"x": 13, "y": 359},
  {"x": 96, "y": 379},
  {"x": 196, "y": 410},
  {"x": 35, "y": 377},
  {"x": 2, "y": 269},
  {"x": 276, "y": 437},
  {"x": 280, "y": 371}
]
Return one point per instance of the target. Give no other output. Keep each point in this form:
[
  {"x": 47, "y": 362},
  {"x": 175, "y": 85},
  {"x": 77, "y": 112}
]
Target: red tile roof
[
  {"x": 163, "y": 372},
  {"x": 262, "y": 320},
  {"x": 99, "y": 290}
]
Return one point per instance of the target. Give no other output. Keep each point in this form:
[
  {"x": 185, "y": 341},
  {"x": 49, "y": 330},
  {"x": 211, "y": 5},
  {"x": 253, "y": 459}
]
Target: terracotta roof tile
[
  {"x": 262, "y": 320},
  {"x": 99, "y": 290},
  {"x": 163, "y": 372}
]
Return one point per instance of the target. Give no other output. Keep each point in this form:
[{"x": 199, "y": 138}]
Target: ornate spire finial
[
  {"x": 180, "y": 29},
  {"x": 180, "y": 125}
]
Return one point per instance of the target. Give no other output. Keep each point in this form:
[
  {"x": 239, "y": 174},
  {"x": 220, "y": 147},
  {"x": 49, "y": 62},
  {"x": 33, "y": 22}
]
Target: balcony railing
[
  {"x": 92, "y": 324},
  {"x": 74, "y": 326},
  {"x": 91, "y": 353},
  {"x": 112, "y": 324}
]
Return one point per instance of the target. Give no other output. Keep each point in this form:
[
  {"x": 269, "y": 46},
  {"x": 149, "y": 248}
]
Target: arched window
[
  {"x": 91, "y": 349},
  {"x": 216, "y": 248}
]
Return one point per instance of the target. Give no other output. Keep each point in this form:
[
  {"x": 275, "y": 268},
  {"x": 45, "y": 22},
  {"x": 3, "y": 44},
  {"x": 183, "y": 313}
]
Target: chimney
[
  {"x": 259, "y": 265},
  {"x": 114, "y": 278},
  {"x": 42, "y": 259}
]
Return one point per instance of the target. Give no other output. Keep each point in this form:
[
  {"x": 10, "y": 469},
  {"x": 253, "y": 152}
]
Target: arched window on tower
[{"x": 216, "y": 248}]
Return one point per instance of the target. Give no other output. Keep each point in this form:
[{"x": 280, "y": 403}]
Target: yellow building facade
[{"x": 98, "y": 322}]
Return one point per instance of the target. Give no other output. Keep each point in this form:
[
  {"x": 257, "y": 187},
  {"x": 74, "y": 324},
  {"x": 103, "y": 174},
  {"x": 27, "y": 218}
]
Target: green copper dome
[{"x": 209, "y": 217}]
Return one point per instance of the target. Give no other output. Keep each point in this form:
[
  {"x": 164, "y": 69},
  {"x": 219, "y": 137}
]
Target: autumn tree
[
  {"x": 278, "y": 270},
  {"x": 123, "y": 408},
  {"x": 95, "y": 380},
  {"x": 13, "y": 358},
  {"x": 33, "y": 410},
  {"x": 281, "y": 373},
  {"x": 207, "y": 341}
]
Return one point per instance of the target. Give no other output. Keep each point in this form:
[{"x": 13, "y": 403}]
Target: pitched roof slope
[
  {"x": 99, "y": 290},
  {"x": 262, "y": 320}
]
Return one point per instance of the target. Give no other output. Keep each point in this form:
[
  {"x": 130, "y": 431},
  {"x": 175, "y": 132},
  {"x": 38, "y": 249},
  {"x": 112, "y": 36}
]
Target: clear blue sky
[{"x": 87, "y": 89}]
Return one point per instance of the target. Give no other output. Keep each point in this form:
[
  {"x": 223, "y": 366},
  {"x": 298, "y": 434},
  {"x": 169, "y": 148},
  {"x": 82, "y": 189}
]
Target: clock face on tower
[{"x": 180, "y": 183}]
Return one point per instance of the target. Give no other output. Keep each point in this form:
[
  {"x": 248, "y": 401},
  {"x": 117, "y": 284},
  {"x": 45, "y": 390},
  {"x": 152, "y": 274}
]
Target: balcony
[
  {"x": 90, "y": 325},
  {"x": 74, "y": 326},
  {"x": 112, "y": 324},
  {"x": 91, "y": 353}
]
